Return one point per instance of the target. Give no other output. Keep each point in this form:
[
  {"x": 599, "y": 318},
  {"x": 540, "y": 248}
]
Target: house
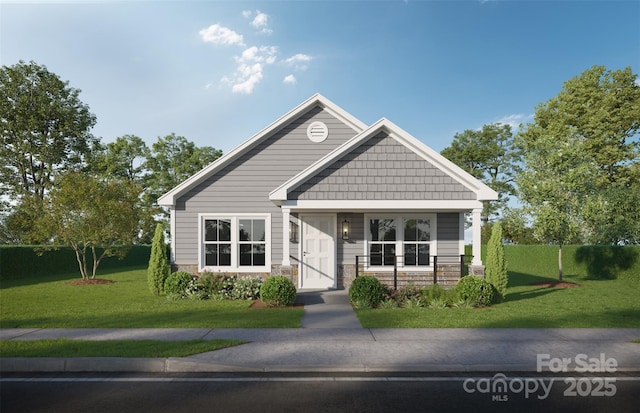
[{"x": 319, "y": 196}]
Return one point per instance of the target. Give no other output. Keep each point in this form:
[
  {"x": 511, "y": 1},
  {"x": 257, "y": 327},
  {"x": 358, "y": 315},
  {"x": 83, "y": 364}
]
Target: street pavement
[{"x": 332, "y": 340}]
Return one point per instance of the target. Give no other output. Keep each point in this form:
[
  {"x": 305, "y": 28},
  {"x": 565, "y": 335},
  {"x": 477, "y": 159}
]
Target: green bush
[
  {"x": 406, "y": 293},
  {"x": 246, "y": 288},
  {"x": 278, "y": 290},
  {"x": 476, "y": 290},
  {"x": 213, "y": 284},
  {"x": 366, "y": 289},
  {"x": 496, "y": 269},
  {"x": 176, "y": 284},
  {"x": 158, "y": 269}
]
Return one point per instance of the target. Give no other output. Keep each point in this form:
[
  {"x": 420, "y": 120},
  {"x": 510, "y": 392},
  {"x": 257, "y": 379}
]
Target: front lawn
[
  {"x": 597, "y": 303},
  {"x": 63, "y": 347},
  {"x": 49, "y": 302}
]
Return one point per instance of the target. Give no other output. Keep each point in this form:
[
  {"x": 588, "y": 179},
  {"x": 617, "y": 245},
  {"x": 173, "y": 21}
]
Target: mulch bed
[
  {"x": 260, "y": 304},
  {"x": 94, "y": 281},
  {"x": 555, "y": 284}
]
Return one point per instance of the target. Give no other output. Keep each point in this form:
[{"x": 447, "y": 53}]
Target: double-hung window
[
  {"x": 417, "y": 236},
  {"x": 235, "y": 242},
  {"x": 407, "y": 240}
]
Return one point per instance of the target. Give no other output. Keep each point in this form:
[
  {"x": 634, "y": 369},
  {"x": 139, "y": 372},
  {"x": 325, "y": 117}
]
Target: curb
[{"x": 178, "y": 365}]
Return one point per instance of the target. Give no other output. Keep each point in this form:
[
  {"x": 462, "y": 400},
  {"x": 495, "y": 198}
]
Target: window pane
[
  {"x": 410, "y": 230},
  {"x": 259, "y": 254},
  {"x": 211, "y": 254},
  {"x": 211, "y": 230},
  {"x": 423, "y": 254},
  {"x": 375, "y": 254},
  {"x": 423, "y": 230},
  {"x": 382, "y": 229},
  {"x": 410, "y": 254},
  {"x": 245, "y": 254},
  {"x": 389, "y": 254},
  {"x": 244, "y": 231},
  {"x": 225, "y": 254},
  {"x": 259, "y": 233},
  {"x": 224, "y": 230}
]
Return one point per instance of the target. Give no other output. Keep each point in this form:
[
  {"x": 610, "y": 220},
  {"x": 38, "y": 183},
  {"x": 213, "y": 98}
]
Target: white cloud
[
  {"x": 249, "y": 72},
  {"x": 514, "y": 120},
  {"x": 290, "y": 80},
  {"x": 260, "y": 22},
  {"x": 299, "y": 61},
  {"x": 217, "y": 34},
  {"x": 246, "y": 13}
]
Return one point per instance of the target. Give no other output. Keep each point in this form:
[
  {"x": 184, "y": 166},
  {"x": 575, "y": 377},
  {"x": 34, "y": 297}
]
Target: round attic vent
[{"x": 317, "y": 132}]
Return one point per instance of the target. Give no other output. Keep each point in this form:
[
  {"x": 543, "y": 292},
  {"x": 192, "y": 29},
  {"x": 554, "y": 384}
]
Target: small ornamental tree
[
  {"x": 159, "y": 269},
  {"x": 496, "y": 270}
]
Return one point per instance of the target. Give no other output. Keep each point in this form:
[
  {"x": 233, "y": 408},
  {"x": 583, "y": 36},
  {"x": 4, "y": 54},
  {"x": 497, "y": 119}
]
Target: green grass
[
  {"x": 63, "y": 347},
  {"x": 48, "y": 302},
  {"x": 609, "y": 301}
]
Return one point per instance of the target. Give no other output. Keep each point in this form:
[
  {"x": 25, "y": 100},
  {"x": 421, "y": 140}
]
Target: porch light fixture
[
  {"x": 345, "y": 229},
  {"x": 293, "y": 232}
]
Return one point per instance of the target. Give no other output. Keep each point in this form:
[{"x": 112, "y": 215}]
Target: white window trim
[
  {"x": 234, "y": 267},
  {"x": 433, "y": 243}
]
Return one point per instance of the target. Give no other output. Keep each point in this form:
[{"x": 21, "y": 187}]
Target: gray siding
[
  {"x": 244, "y": 185},
  {"x": 379, "y": 169},
  {"x": 348, "y": 249},
  {"x": 448, "y": 236}
]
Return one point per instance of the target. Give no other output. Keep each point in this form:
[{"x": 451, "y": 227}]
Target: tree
[
  {"x": 496, "y": 269},
  {"x": 124, "y": 158},
  {"x": 598, "y": 113},
  {"x": 515, "y": 227},
  {"x": 172, "y": 160},
  {"x": 91, "y": 214},
  {"x": 159, "y": 269},
  {"x": 581, "y": 152},
  {"x": 490, "y": 155},
  {"x": 557, "y": 179},
  {"x": 44, "y": 128}
]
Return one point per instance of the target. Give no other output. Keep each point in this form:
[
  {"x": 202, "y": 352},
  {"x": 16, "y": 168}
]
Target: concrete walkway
[
  {"x": 327, "y": 309},
  {"x": 332, "y": 340}
]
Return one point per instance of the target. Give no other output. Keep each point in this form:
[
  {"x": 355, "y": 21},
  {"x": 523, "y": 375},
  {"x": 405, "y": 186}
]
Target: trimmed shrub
[
  {"x": 213, "y": 284},
  {"x": 277, "y": 291},
  {"x": 158, "y": 269},
  {"x": 246, "y": 288},
  {"x": 476, "y": 290},
  {"x": 367, "y": 289},
  {"x": 176, "y": 284},
  {"x": 496, "y": 269}
]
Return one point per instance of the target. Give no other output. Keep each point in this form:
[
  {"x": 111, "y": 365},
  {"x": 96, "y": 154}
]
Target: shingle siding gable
[{"x": 381, "y": 169}]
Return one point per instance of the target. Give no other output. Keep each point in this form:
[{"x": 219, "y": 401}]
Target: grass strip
[{"x": 64, "y": 347}]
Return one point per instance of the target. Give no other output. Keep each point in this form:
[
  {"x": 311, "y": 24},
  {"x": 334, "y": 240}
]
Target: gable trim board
[{"x": 417, "y": 180}]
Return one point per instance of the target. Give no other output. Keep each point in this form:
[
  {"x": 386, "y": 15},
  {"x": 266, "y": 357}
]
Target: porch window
[
  {"x": 417, "y": 234},
  {"x": 235, "y": 243},
  {"x": 408, "y": 237}
]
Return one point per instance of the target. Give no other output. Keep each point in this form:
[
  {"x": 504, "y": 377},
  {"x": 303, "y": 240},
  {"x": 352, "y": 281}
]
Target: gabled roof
[
  {"x": 484, "y": 193},
  {"x": 169, "y": 199}
]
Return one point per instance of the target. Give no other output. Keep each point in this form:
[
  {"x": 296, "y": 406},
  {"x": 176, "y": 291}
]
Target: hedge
[{"x": 26, "y": 261}]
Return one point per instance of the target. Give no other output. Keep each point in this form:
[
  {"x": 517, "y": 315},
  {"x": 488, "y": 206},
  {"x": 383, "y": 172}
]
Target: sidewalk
[{"x": 332, "y": 340}]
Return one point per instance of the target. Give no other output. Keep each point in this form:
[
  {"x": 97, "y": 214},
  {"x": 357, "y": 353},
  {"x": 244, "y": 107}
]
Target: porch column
[
  {"x": 286, "y": 262},
  {"x": 476, "y": 225}
]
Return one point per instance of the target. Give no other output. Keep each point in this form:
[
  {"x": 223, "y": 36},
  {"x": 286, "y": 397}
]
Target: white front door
[{"x": 318, "y": 251}]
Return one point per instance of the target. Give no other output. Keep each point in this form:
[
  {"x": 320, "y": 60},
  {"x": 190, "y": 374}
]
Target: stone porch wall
[{"x": 448, "y": 275}]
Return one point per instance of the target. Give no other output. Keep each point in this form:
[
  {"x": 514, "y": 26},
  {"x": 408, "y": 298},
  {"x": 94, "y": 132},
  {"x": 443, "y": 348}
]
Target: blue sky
[{"x": 217, "y": 72}]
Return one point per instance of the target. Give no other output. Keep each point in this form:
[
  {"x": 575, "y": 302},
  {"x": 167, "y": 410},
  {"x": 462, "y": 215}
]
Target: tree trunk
[{"x": 560, "y": 263}]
